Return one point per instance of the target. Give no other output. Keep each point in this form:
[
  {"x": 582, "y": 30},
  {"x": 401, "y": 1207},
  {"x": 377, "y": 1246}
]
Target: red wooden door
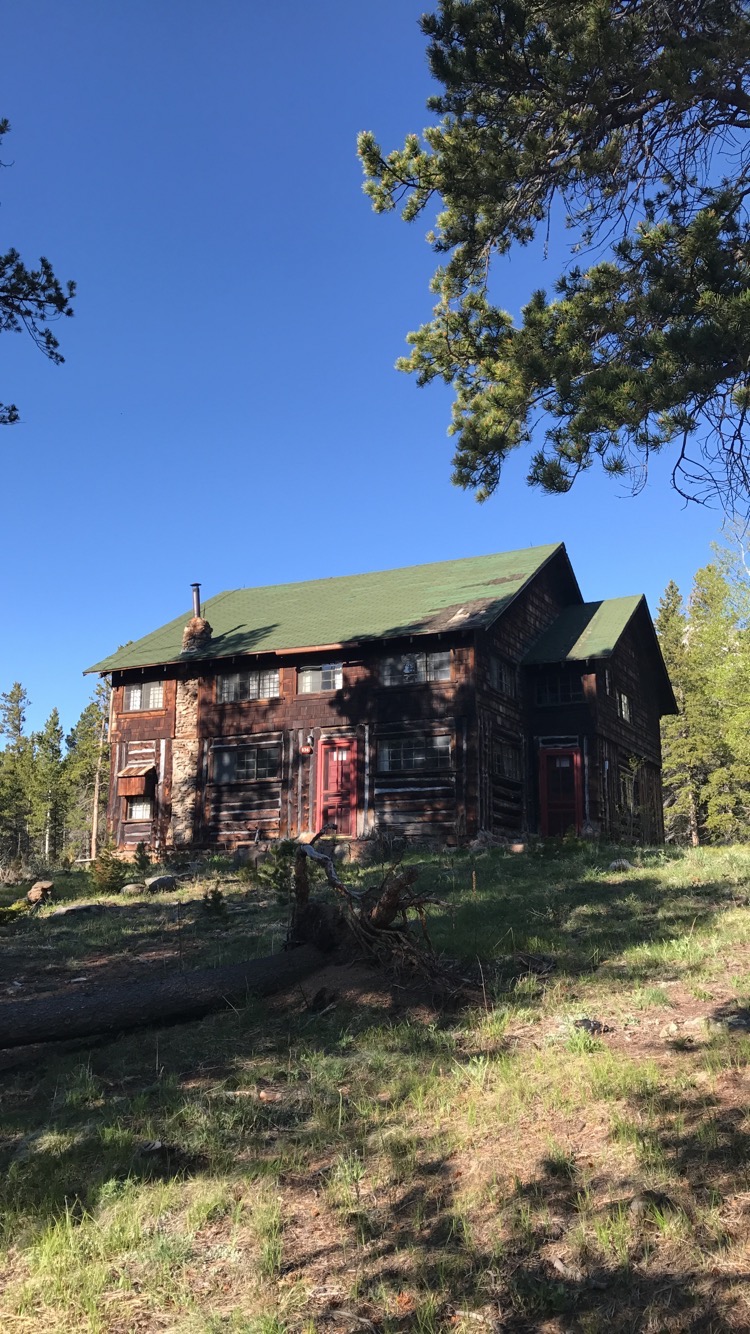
[
  {"x": 337, "y": 784},
  {"x": 560, "y": 791}
]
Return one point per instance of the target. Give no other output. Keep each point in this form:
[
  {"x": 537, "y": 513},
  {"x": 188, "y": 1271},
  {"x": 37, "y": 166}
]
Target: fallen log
[
  {"x": 183, "y": 996},
  {"x": 359, "y": 919}
]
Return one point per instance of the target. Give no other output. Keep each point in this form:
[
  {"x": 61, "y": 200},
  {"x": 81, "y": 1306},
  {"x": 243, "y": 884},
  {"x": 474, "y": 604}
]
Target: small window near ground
[
  {"x": 144, "y": 695},
  {"x": 140, "y": 808},
  {"x": 236, "y": 687},
  {"x": 502, "y": 676},
  {"x": 243, "y": 764},
  {"x": 416, "y": 668},
  {"x": 506, "y": 761},
  {"x": 559, "y": 688},
  {"x": 416, "y": 751},
  {"x": 315, "y": 680},
  {"x": 623, "y": 706}
]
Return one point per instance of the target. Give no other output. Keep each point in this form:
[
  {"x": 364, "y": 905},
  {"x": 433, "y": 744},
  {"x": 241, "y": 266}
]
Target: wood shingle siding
[{"x": 462, "y": 694}]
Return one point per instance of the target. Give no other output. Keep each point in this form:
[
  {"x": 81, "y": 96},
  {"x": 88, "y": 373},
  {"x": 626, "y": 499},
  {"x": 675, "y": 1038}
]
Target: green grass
[{"x": 422, "y": 1169}]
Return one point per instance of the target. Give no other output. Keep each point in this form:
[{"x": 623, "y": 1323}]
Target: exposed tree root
[{"x": 377, "y": 919}]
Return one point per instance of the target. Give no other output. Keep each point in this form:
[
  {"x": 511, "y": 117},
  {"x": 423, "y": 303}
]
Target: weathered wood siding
[
  {"x": 439, "y": 804},
  {"x": 232, "y": 812},
  {"x": 628, "y": 746},
  {"x": 141, "y": 738},
  {"x": 492, "y": 719},
  {"x": 612, "y": 747},
  {"x": 505, "y": 805},
  {"x": 556, "y": 726}
]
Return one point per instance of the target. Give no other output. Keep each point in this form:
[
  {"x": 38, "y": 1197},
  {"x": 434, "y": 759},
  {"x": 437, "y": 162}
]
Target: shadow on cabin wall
[{"x": 431, "y": 799}]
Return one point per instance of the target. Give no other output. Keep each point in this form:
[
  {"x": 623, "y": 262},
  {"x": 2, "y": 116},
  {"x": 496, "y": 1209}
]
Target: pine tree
[
  {"x": 680, "y": 769},
  {"x": 49, "y": 789},
  {"x": 87, "y": 770},
  {"x": 712, "y": 635},
  {"x": 15, "y": 773},
  {"x": 30, "y": 300},
  {"x": 706, "y": 752},
  {"x": 728, "y": 786},
  {"x": 622, "y": 124}
]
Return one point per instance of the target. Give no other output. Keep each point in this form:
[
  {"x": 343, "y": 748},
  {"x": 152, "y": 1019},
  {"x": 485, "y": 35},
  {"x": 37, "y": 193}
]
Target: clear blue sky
[{"x": 228, "y": 411}]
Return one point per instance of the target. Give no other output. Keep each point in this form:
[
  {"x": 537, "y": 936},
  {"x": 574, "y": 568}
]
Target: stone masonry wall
[{"x": 185, "y": 751}]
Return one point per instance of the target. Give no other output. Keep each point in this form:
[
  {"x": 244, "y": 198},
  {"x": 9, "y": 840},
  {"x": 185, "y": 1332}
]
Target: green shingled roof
[
  {"x": 417, "y": 600},
  {"x": 590, "y": 630}
]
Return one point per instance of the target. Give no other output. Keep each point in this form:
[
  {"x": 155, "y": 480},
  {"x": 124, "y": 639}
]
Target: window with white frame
[
  {"x": 415, "y": 668},
  {"x": 140, "y": 808},
  {"x": 244, "y": 764},
  {"x": 414, "y": 751},
  {"x": 236, "y": 687},
  {"x": 623, "y": 706},
  {"x": 315, "y": 680},
  {"x": 144, "y": 695}
]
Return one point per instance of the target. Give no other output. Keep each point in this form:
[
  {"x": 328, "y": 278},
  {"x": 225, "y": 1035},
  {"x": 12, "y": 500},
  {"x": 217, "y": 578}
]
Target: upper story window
[
  {"x": 145, "y": 695},
  {"x": 410, "y": 668},
  {"x": 414, "y": 751},
  {"x": 559, "y": 688},
  {"x": 242, "y": 764},
  {"x": 239, "y": 686},
  {"x": 502, "y": 676},
  {"x": 313, "y": 680},
  {"x": 623, "y": 706}
]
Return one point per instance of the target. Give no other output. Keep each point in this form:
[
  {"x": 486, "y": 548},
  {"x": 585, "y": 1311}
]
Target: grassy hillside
[{"x": 372, "y": 1161}]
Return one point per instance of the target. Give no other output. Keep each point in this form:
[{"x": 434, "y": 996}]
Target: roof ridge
[{"x": 551, "y": 547}]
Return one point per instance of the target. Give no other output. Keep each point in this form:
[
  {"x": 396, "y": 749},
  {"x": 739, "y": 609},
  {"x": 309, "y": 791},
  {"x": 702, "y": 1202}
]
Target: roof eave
[{"x": 399, "y": 633}]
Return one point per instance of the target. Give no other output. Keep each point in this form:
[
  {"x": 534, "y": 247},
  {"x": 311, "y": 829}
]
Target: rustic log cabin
[{"x": 435, "y": 702}]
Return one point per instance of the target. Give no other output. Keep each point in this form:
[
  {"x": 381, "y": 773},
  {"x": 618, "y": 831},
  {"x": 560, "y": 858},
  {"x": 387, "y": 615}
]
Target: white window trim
[
  {"x": 139, "y": 819},
  {"x": 336, "y": 667},
  {"x": 259, "y": 673},
  {"x": 141, "y": 685}
]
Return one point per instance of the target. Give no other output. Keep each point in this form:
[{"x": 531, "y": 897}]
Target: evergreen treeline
[
  {"x": 706, "y": 748},
  {"x": 53, "y": 789}
]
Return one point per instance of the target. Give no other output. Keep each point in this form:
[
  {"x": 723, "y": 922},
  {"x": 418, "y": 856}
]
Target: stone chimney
[{"x": 197, "y": 632}]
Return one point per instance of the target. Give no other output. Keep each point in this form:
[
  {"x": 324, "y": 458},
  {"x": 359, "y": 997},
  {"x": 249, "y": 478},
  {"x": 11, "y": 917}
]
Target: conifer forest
[{"x": 53, "y": 786}]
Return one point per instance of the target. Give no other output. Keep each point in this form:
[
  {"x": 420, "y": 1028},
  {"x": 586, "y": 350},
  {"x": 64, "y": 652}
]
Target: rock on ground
[
  {"x": 41, "y": 891},
  {"x": 157, "y": 884}
]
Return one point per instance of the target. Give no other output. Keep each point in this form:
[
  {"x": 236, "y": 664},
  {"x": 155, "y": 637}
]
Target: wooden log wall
[
  {"x": 507, "y": 806},
  {"x": 141, "y": 738},
  {"x": 419, "y": 804},
  {"x": 422, "y": 803},
  {"x": 628, "y": 746},
  {"x": 489, "y": 714}
]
